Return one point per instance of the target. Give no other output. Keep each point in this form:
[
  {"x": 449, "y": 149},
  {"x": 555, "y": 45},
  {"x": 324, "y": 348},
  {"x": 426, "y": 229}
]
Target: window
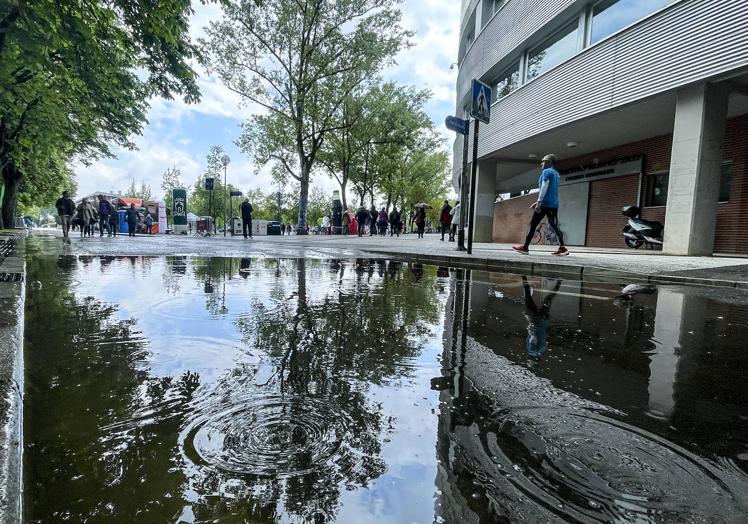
[
  {"x": 656, "y": 190},
  {"x": 507, "y": 82},
  {"x": 609, "y": 16},
  {"x": 725, "y": 182},
  {"x": 553, "y": 51},
  {"x": 490, "y": 8}
]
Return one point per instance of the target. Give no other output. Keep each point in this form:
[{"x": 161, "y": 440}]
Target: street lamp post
[{"x": 225, "y": 161}]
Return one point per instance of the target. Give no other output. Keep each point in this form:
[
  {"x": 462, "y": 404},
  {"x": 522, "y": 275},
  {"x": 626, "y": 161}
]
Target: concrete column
[
  {"x": 695, "y": 169},
  {"x": 484, "y": 200}
]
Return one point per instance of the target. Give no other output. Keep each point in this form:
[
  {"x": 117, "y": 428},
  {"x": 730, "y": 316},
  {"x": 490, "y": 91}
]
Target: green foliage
[
  {"x": 301, "y": 62},
  {"x": 75, "y": 79}
]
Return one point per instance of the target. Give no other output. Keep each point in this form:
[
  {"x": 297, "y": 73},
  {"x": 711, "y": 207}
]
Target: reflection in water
[
  {"x": 538, "y": 319},
  {"x": 167, "y": 390},
  {"x": 518, "y": 445}
]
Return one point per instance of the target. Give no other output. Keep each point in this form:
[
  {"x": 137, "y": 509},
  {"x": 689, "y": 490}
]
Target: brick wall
[
  {"x": 732, "y": 217},
  {"x": 604, "y": 218},
  {"x": 511, "y": 218}
]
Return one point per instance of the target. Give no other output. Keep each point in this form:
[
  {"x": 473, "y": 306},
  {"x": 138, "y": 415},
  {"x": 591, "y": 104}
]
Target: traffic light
[{"x": 209, "y": 184}]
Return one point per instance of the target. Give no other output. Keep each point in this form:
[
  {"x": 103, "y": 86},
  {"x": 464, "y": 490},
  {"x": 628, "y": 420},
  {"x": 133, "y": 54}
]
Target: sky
[{"x": 180, "y": 135}]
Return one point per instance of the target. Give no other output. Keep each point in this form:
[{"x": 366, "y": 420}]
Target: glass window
[
  {"x": 725, "y": 183},
  {"x": 657, "y": 190},
  {"x": 609, "y": 16},
  {"x": 553, "y": 51},
  {"x": 507, "y": 82},
  {"x": 490, "y": 8}
]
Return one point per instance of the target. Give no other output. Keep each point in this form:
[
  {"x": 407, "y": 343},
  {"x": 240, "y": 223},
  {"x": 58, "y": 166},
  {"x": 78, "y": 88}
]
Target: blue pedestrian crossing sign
[{"x": 481, "y": 106}]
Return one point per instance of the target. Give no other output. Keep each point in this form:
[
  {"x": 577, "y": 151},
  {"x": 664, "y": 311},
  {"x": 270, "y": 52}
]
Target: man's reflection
[
  {"x": 245, "y": 267},
  {"x": 538, "y": 319}
]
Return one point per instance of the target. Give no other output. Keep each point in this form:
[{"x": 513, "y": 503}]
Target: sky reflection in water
[{"x": 167, "y": 389}]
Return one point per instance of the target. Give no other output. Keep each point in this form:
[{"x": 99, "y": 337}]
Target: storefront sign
[{"x": 619, "y": 167}]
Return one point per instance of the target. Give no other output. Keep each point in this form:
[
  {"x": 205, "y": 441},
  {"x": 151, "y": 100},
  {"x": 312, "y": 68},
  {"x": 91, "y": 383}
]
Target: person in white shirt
[
  {"x": 326, "y": 224},
  {"x": 455, "y": 221}
]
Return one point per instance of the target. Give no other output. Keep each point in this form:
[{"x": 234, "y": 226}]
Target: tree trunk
[
  {"x": 12, "y": 179},
  {"x": 342, "y": 193},
  {"x": 303, "y": 198}
]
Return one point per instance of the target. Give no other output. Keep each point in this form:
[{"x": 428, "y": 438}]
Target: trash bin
[
  {"x": 123, "y": 227},
  {"x": 274, "y": 228}
]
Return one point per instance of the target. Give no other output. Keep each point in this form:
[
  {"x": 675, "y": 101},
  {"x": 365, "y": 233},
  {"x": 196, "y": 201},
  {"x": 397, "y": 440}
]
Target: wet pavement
[{"x": 318, "y": 387}]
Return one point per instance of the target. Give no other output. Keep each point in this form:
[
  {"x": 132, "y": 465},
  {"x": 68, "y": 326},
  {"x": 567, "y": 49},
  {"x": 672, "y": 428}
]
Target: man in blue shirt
[{"x": 546, "y": 206}]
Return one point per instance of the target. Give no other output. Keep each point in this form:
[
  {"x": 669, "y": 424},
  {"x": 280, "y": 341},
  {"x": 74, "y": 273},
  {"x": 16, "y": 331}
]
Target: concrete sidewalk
[{"x": 640, "y": 265}]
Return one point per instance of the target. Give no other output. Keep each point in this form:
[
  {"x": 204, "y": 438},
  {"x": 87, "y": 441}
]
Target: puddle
[{"x": 186, "y": 389}]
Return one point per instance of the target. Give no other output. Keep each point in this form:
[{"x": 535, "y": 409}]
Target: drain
[{"x": 11, "y": 277}]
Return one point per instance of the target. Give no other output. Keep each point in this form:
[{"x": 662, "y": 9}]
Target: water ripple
[{"x": 270, "y": 435}]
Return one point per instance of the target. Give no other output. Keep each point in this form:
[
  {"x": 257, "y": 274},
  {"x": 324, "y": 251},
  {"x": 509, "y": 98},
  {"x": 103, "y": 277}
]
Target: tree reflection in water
[{"x": 114, "y": 434}]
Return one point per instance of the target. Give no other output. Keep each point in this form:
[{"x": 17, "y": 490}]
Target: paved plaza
[{"x": 642, "y": 263}]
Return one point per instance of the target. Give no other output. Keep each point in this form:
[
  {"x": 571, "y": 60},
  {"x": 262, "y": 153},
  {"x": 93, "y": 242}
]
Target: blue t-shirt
[{"x": 551, "y": 196}]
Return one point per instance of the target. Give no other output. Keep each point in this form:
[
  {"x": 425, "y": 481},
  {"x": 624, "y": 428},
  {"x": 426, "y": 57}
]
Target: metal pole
[
  {"x": 210, "y": 211},
  {"x": 231, "y": 213},
  {"x": 463, "y": 193},
  {"x": 224, "y": 199},
  {"x": 473, "y": 176}
]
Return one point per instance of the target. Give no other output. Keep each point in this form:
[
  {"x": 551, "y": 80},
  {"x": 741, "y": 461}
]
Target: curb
[
  {"x": 548, "y": 269},
  {"x": 12, "y": 303}
]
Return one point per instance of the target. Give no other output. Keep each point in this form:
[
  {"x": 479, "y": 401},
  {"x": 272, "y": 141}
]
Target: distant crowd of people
[
  {"x": 88, "y": 218},
  {"x": 372, "y": 222}
]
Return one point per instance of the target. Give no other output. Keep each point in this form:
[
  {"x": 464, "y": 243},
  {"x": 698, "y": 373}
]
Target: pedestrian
[
  {"x": 66, "y": 210},
  {"x": 247, "y": 210},
  {"x": 420, "y": 221},
  {"x": 105, "y": 209},
  {"x": 326, "y": 225},
  {"x": 346, "y": 221},
  {"x": 362, "y": 215},
  {"x": 455, "y": 224},
  {"x": 131, "y": 215},
  {"x": 546, "y": 206},
  {"x": 373, "y": 217},
  {"x": 288, "y": 229},
  {"x": 382, "y": 222},
  {"x": 445, "y": 218},
  {"x": 395, "y": 222},
  {"x": 84, "y": 215},
  {"x": 114, "y": 222},
  {"x": 148, "y": 222}
]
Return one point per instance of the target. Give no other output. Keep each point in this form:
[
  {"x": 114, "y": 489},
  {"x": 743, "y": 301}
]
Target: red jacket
[{"x": 446, "y": 217}]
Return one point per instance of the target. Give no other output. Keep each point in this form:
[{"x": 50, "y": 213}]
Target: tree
[
  {"x": 299, "y": 61},
  {"x": 144, "y": 193},
  {"x": 75, "y": 79},
  {"x": 170, "y": 179}
]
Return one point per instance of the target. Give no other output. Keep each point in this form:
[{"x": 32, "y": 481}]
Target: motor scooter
[{"x": 639, "y": 231}]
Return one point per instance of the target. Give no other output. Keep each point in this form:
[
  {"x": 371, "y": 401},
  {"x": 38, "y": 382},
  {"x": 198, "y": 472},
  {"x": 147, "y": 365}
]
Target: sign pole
[
  {"x": 463, "y": 193},
  {"x": 473, "y": 176}
]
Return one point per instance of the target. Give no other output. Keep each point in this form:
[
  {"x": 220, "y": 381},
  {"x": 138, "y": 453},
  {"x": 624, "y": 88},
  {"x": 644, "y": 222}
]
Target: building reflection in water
[{"x": 616, "y": 422}]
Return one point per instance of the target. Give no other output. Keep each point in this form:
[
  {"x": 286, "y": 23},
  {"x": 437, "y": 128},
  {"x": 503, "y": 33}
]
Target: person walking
[
  {"x": 84, "y": 215},
  {"x": 105, "y": 209},
  {"x": 373, "y": 217},
  {"x": 445, "y": 218},
  {"x": 66, "y": 210},
  {"x": 546, "y": 206},
  {"x": 247, "y": 210},
  {"x": 538, "y": 319},
  {"x": 326, "y": 225},
  {"x": 455, "y": 223},
  {"x": 346, "y": 221},
  {"x": 420, "y": 221},
  {"x": 148, "y": 222},
  {"x": 131, "y": 215},
  {"x": 362, "y": 215},
  {"x": 382, "y": 222},
  {"x": 395, "y": 222},
  {"x": 114, "y": 222}
]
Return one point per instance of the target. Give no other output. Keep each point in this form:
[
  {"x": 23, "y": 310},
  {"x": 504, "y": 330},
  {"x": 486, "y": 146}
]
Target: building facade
[{"x": 643, "y": 102}]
